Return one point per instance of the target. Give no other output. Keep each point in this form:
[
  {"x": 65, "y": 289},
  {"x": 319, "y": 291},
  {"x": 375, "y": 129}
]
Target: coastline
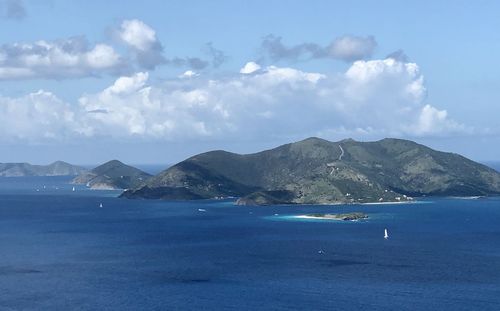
[
  {"x": 389, "y": 202},
  {"x": 338, "y": 217},
  {"x": 315, "y": 217},
  {"x": 473, "y": 197}
]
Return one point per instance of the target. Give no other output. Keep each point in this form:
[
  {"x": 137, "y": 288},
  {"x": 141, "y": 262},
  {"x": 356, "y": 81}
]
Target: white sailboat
[
  {"x": 74, "y": 189},
  {"x": 100, "y": 205},
  {"x": 386, "y": 234}
]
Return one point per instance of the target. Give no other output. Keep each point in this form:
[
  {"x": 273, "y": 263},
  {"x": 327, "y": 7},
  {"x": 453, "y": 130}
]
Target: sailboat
[
  {"x": 74, "y": 189},
  {"x": 100, "y": 205},
  {"x": 386, "y": 235}
]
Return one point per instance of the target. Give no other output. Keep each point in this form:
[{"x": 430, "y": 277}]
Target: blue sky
[{"x": 324, "y": 72}]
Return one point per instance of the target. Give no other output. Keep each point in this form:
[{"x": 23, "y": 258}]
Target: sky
[{"x": 154, "y": 82}]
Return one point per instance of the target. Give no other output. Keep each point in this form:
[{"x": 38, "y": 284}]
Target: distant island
[
  {"x": 58, "y": 168},
  {"x": 317, "y": 171},
  {"x": 112, "y": 175},
  {"x": 345, "y": 217}
]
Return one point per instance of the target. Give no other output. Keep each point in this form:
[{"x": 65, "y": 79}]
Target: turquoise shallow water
[{"x": 60, "y": 251}]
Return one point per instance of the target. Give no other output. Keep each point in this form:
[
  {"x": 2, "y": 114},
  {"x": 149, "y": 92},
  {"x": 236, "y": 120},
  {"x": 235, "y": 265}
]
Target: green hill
[
  {"x": 112, "y": 175},
  {"x": 317, "y": 171}
]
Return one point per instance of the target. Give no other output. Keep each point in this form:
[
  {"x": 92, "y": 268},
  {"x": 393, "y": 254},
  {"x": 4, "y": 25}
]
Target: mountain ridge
[{"x": 318, "y": 171}]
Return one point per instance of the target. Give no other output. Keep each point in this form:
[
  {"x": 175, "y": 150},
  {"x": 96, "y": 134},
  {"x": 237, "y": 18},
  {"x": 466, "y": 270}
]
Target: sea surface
[{"x": 60, "y": 251}]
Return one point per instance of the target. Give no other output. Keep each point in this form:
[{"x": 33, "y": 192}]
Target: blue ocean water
[{"x": 60, "y": 251}]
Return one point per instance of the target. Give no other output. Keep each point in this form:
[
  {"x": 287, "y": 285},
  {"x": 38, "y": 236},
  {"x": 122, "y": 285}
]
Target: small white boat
[
  {"x": 202, "y": 210},
  {"x": 73, "y": 189},
  {"x": 386, "y": 234},
  {"x": 100, "y": 205}
]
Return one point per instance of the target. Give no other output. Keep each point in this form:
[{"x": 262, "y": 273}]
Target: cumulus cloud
[
  {"x": 389, "y": 96},
  {"x": 350, "y": 48},
  {"x": 250, "y": 67},
  {"x": 12, "y": 9},
  {"x": 432, "y": 121},
  {"x": 72, "y": 57},
  {"x": 377, "y": 97},
  {"x": 148, "y": 51},
  {"x": 189, "y": 74},
  {"x": 35, "y": 117},
  {"x": 142, "y": 40},
  {"x": 201, "y": 109},
  {"x": 346, "y": 48},
  {"x": 138, "y": 35},
  {"x": 75, "y": 57},
  {"x": 127, "y": 85}
]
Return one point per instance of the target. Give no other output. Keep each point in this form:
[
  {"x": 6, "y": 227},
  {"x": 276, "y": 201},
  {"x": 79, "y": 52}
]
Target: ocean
[{"x": 60, "y": 251}]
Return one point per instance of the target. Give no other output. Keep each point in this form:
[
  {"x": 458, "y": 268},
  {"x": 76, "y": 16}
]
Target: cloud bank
[
  {"x": 377, "y": 97},
  {"x": 72, "y": 57},
  {"x": 75, "y": 57}
]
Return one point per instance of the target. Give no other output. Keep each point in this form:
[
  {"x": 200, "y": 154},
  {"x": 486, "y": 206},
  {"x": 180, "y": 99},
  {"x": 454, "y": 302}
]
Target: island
[
  {"x": 354, "y": 216},
  {"x": 58, "y": 168},
  {"x": 112, "y": 175},
  {"x": 318, "y": 171}
]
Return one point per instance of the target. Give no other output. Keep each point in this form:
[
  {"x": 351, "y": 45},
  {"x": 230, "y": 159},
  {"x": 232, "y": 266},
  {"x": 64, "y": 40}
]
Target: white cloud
[
  {"x": 350, "y": 48},
  {"x": 394, "y": 83},
  {"x": 189, "y": 74},
  {"x": 380, "y": 96},
  {"x": 75, "y": 57},
  {"x": 126, "y": 85},
  {"x": 34, "y": 117},
  {"x": 182, "y": 109},
  {"x": 432, "y": 121},
  {"x": 137, "y": 34},
  {"x": 377, "y": 97},
  {"x": 249, "y": 68},
  {"x": 56, "y": 59},
  {"x": 102, "y": 56},
  {"x": 141, "y": 38}
]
